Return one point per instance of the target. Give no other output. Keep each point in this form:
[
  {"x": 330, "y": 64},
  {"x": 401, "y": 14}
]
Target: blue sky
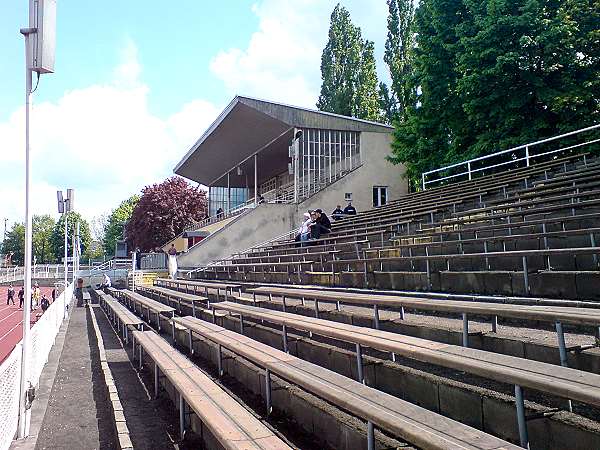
[
  {"x": 137, "y": 82},
  {"x": 175, "y": 42}
]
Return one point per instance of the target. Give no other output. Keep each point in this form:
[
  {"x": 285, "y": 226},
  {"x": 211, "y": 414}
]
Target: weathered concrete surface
[
  {"x": 489, "y": 405},
  {"x": 149, "y": 425},
  {"x": 258, "y": 225},
  {"x": 79, "y": 413}
]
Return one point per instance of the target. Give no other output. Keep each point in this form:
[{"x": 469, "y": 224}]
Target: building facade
[{"x": 292, "y": 158}]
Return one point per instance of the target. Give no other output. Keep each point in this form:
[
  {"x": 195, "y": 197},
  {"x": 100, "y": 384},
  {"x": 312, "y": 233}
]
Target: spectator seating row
[
  {"x": 556, "y": 315},
  {"x": 412, "y": 423},
  {"x": 124, "y": 320},
  {"x": 136, "y": 301},
  {"x": 524, "y": 229},
  {"x": 231, "y": 425},
  {"x": 556, "y": 380}
]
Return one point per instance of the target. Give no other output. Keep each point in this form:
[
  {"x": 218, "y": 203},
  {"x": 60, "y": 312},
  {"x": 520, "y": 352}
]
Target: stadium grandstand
[
  {"x": 461, "y": 316},
  {"x": 263, "y": 162}
]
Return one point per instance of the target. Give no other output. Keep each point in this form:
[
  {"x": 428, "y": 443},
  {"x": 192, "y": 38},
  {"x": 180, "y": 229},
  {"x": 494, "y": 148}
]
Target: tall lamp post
[
  {"x": 65, "y": 206},
  {"x": 39, "y": 57}
]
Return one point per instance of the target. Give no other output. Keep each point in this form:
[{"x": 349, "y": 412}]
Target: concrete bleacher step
[{"x": 463, "y": 398}]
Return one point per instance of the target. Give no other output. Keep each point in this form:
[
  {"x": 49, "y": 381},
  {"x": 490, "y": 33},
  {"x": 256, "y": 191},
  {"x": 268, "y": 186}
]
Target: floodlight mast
[{"x": 42, "y": 13}]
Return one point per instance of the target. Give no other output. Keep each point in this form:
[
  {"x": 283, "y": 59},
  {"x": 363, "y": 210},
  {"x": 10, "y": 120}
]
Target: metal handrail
[{"x": 527, "y": 158}]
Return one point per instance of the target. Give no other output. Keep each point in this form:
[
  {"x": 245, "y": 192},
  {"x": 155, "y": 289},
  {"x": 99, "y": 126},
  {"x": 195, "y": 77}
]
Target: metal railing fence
[
  {"x": 43, "y": 335},
  {"x": 520, "y": 156}
]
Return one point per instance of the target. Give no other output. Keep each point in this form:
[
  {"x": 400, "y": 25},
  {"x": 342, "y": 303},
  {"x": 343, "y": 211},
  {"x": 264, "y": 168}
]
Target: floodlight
[
  {"x": 44, "y": 39},
  {"x": 61, "y": 202},
  {"x": 298, "y": 134},
  {"x": 70, "y": 200}
]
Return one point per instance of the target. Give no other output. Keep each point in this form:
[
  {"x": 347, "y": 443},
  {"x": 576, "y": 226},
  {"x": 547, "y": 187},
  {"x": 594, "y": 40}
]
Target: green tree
[
  {"x": 43, "y": 227},
  {"x": 116, "y": 222},
  {"x": 494, "y": 73},
  {"x": 422, "y": 140},
  {"x": 529, "y": 69},
  {"x": 350, "y": 85},
  {"x": 15, "y": 243},
  {"x": 58, "y": 235},
  {"x": 399, "y": 47},
  {"x": 387, "y": 103}
]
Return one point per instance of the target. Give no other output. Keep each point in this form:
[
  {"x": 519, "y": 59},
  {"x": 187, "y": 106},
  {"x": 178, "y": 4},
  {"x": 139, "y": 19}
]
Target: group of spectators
[
  {"x": 38, "y": 300},
  {"x": 316, "y": 223}
]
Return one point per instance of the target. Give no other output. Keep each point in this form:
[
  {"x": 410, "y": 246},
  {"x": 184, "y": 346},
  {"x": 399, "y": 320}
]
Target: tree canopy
[
  {"x": 491, "y": 74},
  {"x": 398, "y": 57},
  {"x": 58, "y": 235},
  {"x": 348, "y": 71},
  {"x": 162, "y": 213},
  {"x": 115, "y": 224},
  {"x": 15, "y": 243},
  {"x": 42, "y": 249},
  {"x": 43, "y": 226}
]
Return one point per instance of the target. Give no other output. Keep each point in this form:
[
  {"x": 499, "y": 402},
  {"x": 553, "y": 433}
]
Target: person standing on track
[
  {"x": 45, "y": 304},
  {"x": 172, "y": 261},
  {"x": 35, "y": 297},
  {"x": 10, "y": 295},
  {"x": 21, "y": 297}
]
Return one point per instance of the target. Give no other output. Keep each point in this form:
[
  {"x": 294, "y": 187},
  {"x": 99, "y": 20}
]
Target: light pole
[
  {"x": 65, "y": 206},
  {"x": 39, "y": 57},
  {"x": 296, "y": 155}
]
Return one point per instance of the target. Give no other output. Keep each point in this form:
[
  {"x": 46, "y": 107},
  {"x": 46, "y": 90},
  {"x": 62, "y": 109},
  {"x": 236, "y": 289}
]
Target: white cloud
[
  {"x": 283, "y": 58},
  {"x": 101, "y": 140}
]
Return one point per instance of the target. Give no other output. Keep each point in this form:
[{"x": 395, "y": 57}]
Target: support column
[
  {"x": 255, "y": 180},
  {"x": 521, "y": 420},
  {"x": 268, "y": 390},
  {"x": 359, "y": 364},
  {"x": 228, "y": 195},
  {"x": 220, "y": 359}
]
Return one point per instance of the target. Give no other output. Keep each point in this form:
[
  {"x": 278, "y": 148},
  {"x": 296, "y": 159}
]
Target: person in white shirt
[{"x": 305, "y": 228}]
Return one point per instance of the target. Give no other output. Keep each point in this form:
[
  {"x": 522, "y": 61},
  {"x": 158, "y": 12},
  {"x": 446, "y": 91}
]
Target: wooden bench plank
[
  {"x": 125, "y": 316},
  {"x": 153, "y": 305},
  {"x": 167, "y": 282},
  {"x": 410, "y": 422},
  {"x": 561, "y": 381},
  {"x": 231, "y": 424},
  {"x": 580, "y": 316},
  {"x": 171, "y": 293}
]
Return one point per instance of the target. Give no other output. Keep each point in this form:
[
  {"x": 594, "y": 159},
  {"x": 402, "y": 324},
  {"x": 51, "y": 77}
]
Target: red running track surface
[{"x": 11, "y": 320}]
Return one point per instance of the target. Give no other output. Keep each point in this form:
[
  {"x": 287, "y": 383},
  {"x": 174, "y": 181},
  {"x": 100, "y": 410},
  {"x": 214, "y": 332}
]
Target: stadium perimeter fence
[{"x": 43, "y": 334}]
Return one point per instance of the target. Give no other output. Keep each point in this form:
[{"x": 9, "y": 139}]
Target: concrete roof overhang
[{"x": 249, "y": 127}]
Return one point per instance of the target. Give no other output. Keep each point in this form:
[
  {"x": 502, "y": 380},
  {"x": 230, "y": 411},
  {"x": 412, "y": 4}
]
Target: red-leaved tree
[{"x": 163, "y": 212}]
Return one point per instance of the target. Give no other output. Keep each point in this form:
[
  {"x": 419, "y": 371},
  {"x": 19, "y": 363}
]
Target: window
[{"x": 380, "y": 195}]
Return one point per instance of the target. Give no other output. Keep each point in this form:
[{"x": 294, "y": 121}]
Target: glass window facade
[
  {"x": 217, "y": 198},
  {"x": 325, "y": 156}
]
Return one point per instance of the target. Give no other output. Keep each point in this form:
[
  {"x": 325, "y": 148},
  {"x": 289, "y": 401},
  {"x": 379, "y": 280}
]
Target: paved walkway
[{"x": 79, "y": 414}]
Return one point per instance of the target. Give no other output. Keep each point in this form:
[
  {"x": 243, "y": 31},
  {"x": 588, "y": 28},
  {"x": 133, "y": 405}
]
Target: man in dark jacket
[
  {"x": 321, "y": 226},
  {"x": 338, "y": 213},
  {"x": 350, "y": 210}
]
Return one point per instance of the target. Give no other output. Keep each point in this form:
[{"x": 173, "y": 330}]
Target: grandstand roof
[{"x": 249, "y": 126}]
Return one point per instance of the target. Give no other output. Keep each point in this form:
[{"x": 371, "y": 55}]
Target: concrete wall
[
  {"x": 256, "y": 226},
  {"x": 375, "y": 171},
  {"x": 270, "y": 220}
]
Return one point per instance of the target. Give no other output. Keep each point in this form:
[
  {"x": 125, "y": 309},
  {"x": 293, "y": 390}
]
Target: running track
[{"x": 11, "y": 320}]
